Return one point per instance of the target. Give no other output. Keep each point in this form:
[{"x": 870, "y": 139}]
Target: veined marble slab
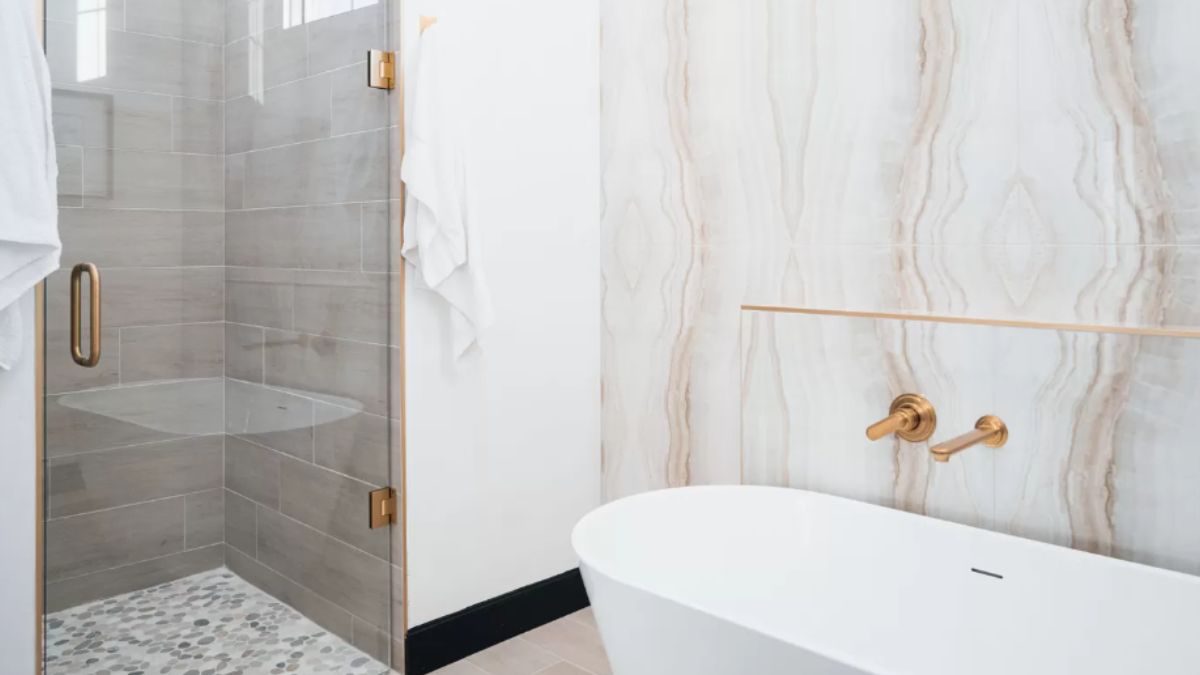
[
  {"x": 1019, "y": 159},
  {"x": 1101, "y": 454}
]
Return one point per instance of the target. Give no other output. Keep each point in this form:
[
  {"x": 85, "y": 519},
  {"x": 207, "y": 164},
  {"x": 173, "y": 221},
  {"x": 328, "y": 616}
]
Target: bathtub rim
[{"x": 860, "y": 662}]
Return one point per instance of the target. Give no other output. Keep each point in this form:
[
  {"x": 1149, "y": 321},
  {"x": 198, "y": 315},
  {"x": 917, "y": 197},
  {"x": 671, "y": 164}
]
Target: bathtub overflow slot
[{"x": 986, "y": 573}]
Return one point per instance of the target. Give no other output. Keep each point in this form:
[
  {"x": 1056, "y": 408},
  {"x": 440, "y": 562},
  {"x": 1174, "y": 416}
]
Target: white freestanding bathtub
[{"x": 766, "y": 581}]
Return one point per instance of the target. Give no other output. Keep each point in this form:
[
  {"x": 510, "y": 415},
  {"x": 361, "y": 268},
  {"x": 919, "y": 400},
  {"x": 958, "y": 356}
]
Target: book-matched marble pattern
[
  {"x": 1027, "y": 159},
  {"x": 1101, "y": 455}
]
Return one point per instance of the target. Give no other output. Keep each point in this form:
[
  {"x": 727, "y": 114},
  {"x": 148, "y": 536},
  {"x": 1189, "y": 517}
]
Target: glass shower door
[{"x": 217, "y": 422}]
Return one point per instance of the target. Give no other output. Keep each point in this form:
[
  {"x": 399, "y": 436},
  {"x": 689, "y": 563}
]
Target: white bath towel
[
  {"x": 29, "y": 244},
  {"x": 442, "y": 239}
]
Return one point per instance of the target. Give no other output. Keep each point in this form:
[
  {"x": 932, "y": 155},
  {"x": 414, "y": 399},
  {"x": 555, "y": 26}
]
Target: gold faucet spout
[{"x": 989, "y": 430}]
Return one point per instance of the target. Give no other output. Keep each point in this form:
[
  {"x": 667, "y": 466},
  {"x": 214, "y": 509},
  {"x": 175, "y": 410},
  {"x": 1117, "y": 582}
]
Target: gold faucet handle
[
  {"x": 911, "y": 417},
  {"x": 989, "y": 430}
]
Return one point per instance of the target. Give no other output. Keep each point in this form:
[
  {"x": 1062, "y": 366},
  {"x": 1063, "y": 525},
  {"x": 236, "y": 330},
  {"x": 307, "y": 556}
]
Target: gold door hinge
[
  {"x": 383, "y": 507},
  {"x": 381, "y": 69}
]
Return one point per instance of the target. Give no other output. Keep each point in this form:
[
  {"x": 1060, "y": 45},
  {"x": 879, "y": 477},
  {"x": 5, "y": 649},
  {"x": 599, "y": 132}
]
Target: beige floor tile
[
  {"x": 563, "y": 668},
  {"x": 585, "y": 616},
  {"x": 573, "y": 641},
  {"x": 461, "y": 668},
  {"x": 514, "y": 657}
]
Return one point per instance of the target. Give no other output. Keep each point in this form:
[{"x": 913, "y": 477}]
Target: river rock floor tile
[{"x": 212, "y": 623}]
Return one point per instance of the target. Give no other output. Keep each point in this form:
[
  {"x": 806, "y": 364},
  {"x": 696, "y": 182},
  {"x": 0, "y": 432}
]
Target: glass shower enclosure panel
[{"x": 218, "y": 340}]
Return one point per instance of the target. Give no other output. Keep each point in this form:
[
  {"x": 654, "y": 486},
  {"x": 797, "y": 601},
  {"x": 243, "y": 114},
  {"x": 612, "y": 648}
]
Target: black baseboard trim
[{"x": 451, "y": 638}]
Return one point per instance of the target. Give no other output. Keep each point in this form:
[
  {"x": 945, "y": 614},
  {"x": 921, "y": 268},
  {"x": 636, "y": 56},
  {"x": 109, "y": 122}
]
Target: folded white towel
[
  {"x": 441, "y": 237},
  {"x": 29, "y": 244}
]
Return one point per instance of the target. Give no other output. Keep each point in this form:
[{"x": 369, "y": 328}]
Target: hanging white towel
[
  {"x": 29, "y": 244},
  {"x": 442, "y": 240}
]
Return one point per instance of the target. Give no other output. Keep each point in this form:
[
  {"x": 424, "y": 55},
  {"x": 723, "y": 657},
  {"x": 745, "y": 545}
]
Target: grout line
[
  {"x": 320, "y": 205},
  {"x": 185, "y": 523},
  {"x": 139, "y": 562},
  {"x": 128, "y": 506},
  {"x": 335, "y": 338},
  {"x": 294, "y": 458},
  {"x": 147, "y": 151},
  {"x": 310, "y": 527},
  {"x": 95, "y": 451},
  {"x": 140, "y": 384},
  {"x": 322, "y": 139}
]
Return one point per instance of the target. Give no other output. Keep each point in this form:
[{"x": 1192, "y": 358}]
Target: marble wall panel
[
  {"x": 1028, "y": 159},
  {"x": 1099, "y": 456}
]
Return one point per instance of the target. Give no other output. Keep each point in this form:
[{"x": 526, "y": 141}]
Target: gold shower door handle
[{"x": 93, "y": 357}]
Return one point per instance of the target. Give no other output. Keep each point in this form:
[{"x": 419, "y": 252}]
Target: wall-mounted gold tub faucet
[
  {"x": 989, "y": 430},
  {"x": 911, "y": 417}
]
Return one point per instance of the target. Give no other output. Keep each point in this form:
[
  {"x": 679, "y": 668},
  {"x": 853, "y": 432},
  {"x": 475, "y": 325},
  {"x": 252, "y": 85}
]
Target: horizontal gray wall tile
[
  {"x": 204, "y": 522},
  {"x": 240, "y": 523},
  {"x": 240, "y": 15},
  {"x": 315, "y": 237},
  {"x": 63, "y": 374},
  {"x": 68, "y": 11},
  {"x": 112, "y": 119},
  {"x": 244, "y": 352},
  {"x": 348, "y": 305},
  {"x": 111, "y": 478},
  {"x": 199, "y": 20},
  {"x": 338, "y": 40},
  {"x": 290, "y": 113},
  {"x": 356, "y": 445},
  {"x": 331, "y": 503},
  {"x": 320, "y": 610},
  {"x": 163, "y": 238},
  {"x": 381, "y": 238},
  {"x": 259, "y": 297},
  {"x": 144, "y": 413},
  {"x": 351, "y": 168},
  {"x": 153, "y": 180},
  {"x": 375, "y": 642},
  {"x": 172, "y": 352},
  {"x": 70, "y": 175},
  {"x": 252, "y": 471},
  {"x": 69, "y": 593},
  {"x": 270, "y": 417},
  {"x": 356, "y": 107},
  {"x": 137, "y": 62},
  {"x": 98, "y": 541},
  {"x": 235, "y": 169},
  {"x": 145, "y": 297},
  {"x": 351, "y": 374},
  {"x": 198, "y": 126},
  {"x": 272, "y": 58},
  {"x": 356, "y": 581}
]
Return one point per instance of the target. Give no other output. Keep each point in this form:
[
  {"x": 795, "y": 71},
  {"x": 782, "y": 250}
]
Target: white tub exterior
[{"x": 740, "y": 580}]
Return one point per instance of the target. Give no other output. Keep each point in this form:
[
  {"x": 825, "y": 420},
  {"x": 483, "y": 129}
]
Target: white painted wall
[
  {"x": 17, "y": 507},
  {"x": 504, "y": 448}
]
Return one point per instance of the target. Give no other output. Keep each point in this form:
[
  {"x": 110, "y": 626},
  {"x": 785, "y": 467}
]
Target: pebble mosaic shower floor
[{"x": 211, "y": 623}]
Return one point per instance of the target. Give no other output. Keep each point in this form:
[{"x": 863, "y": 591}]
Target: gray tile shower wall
[
  {"x": 307, "y": 340},
  {"x": 134, "y": 446},
  {"x": 226, "y": 167}
]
